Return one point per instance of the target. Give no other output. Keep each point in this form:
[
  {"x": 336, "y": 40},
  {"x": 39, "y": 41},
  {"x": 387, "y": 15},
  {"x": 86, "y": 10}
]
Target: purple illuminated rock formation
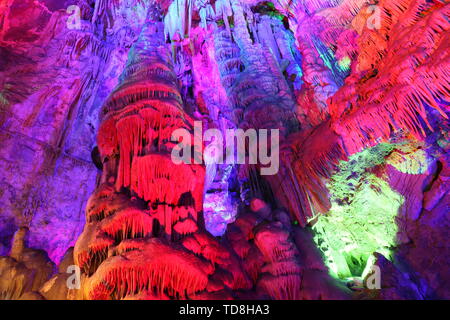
[{"x": 91, "y": 91}]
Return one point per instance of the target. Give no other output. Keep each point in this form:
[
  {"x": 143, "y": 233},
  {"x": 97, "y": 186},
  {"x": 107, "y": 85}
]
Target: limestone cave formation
[{"x": 336, "y": 188}]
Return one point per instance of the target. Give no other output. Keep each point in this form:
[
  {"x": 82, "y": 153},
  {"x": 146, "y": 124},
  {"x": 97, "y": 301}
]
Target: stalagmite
[
  {"x": 99, "y": 101},
  {"x": 146, "y": 204}
]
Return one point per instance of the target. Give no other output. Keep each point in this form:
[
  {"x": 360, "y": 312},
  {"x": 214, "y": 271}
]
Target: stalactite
[
  {"x": 367, "y": 111},
  {"x": 332, "y": 83},
  {"x": 138, "y": 121},
  {"x": 155, "y": 266},
  {"x": 152, "y": 174},
  {"x": 130, "y": 247}
]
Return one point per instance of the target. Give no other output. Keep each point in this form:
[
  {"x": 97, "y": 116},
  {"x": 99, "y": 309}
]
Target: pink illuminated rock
[{"x": 92, "y": 91}]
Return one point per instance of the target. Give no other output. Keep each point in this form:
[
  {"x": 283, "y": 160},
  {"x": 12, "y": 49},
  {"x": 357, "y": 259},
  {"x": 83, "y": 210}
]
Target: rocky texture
[
  {"x": 336, "y": 77},
  {"x": 132, "y": 247},
  {"x": 427, "y": 249},
  {"x": 24, "y": 272},
  {"x": 48, "y": 122}
]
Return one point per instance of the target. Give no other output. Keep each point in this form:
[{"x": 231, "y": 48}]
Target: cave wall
[
  {"x": 335, "y": 84},
  {"x": 55, "y": 78}
]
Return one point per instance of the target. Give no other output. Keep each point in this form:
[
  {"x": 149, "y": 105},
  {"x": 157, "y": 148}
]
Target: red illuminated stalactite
[
  {"x": 408, "y": 73},
  {"x": 138, "y": 121},
  {"x": 144, "y": 236}
]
